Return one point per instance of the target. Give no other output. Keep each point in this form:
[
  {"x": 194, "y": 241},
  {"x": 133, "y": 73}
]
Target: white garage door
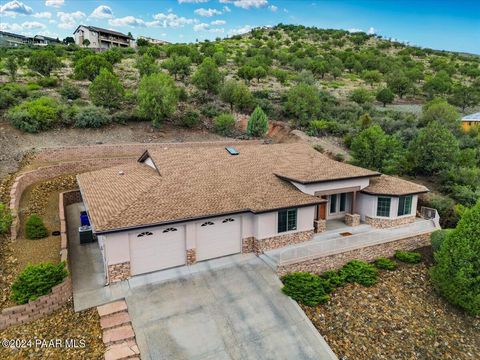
[
  {"x": 156, "y": 250},
  {"x": 218, "y": 237}
]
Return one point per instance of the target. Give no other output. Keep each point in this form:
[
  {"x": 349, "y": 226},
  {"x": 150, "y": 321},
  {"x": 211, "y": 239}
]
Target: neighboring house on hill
[
  {"x": 470, "y": 121},
  {"x": 184, "y": 204},
  {"x": 42, "y": 40},
  {"x": 152, "y": 40},
  {"x": 11, "y": 39},
  {"x": 100, "y": 38}
]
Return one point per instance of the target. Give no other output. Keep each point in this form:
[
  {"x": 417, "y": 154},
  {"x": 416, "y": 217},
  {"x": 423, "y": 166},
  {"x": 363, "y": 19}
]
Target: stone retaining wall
[
  {"x": 61, "y": 293},
  {"x": 44, "y": 173},
  {"x": 384, "y": 223},
  {"x": 275, "y": 242},
  {"x": 369, "y": 253}
]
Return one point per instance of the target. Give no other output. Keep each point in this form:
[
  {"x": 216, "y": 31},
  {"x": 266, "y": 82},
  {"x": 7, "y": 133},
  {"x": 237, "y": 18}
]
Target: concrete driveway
[{"x": 233, "y": 312}]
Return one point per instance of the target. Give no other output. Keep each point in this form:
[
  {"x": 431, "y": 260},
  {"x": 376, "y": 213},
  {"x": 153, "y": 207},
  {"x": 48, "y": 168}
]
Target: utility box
[{"x": 86, "y": 234}]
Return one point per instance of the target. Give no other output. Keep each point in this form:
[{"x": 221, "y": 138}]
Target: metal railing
[{"x": 431, "y": 214}]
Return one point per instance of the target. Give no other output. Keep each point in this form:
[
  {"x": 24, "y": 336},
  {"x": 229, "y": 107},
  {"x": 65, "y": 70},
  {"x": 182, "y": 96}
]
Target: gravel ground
[
  {"x": 401, "y": 317},
  {"x": 64, "y": 324}
]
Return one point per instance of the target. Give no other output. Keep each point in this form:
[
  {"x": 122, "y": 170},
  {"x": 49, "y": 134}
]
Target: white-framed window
[
  {"x": 404, "y": 205},
  {"x": 383, "y": 206}
]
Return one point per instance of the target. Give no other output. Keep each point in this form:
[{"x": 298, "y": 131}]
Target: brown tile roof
[
  {"x": 390, "y": 185},
  {"x": 200, "y": 181}
]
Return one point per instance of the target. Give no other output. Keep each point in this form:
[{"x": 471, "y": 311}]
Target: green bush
[
  {"x": 359, "y": 272},
  {"x": 258, "y": 123},
  {"x": 456, "y": 273},
  {"x": 438, "y": 237},
  {"x": 190, "y": 119},
  {"x": 48, "y": 82},
  {"x": 91, "y": 117},
  {"x": 323, "y": 127},
  {"x": 89, "y": 67},
  {"x": 385, "y": 264},
  {"x": 408, "y": 256},
  {"x": 37, "y": 280},
  {"x": 306, "y": 288},
  {"x": 70, "y": 91},
  {"x": 224, "y": 124},
  {"x": 106, "y": 90},
  {"x": 11, "y": 94},
  {"x": 5, "y": 218},
  {"x": 334, "y": 278},
  {"x": 35, "y": 228},
  {"x": 35, "y": 115}
]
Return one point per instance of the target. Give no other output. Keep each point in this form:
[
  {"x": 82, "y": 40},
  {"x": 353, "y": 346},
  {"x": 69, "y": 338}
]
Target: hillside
[{"x": 395, "y": 107}]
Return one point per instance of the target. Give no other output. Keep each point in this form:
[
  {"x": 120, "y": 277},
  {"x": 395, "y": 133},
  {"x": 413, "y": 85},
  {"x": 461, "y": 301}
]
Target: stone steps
[{"x": 118, "y": 333}]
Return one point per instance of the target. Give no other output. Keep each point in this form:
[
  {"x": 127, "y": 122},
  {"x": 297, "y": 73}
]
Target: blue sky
[{"x": 440, "y": 24}]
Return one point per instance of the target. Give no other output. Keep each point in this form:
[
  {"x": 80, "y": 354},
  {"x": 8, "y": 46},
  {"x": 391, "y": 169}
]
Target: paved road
[{"x": 233, "y": 312}]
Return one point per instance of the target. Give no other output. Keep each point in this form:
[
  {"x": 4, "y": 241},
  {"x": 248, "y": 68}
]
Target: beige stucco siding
[
  {"x": 311, "y": 189},
  {"x": 367, "y": 206},
  {"x": 265, "y": 225}
]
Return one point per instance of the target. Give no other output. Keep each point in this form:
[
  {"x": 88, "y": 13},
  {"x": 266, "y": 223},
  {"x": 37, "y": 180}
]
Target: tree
[
  {"x": 12, "y": 67},
  {"x": 464, "y": 96},
  {"x": 34, "y": 228},
  {"x": 89, "y": 67},
  {"x": 318, "y": 68},
  {"x": 385, "y": 96},
  {"x": 372, "y": 76},
  {"x": 440, "y": 84},
  {"x": 106, "y": 90},
  {"x": 435, "y": 149},
  {"x": 456, "y": 272},
  {"x": 207, "y": 77},
  {"x": 258, "y": 123},
  {"x": 260, "y": 73},
  {"x": 224, "y": 124},
  {"x": 360, "y": 96},
  {"x": 43, "y": 62},
  {"x": 303, "y": 103},
  {"x": 68, "y": 40},
  {"x": 146, "y": 65},
  {"x": 157, "y": 97},
  {"x": 236, "y": 94},
  {"x": 142, "y": 42},
  {"x": 399, "y": 83},
  {"x": 86, "y": 42},
  {"x": 246, "y": 72},
  {"x": 442, "y": 112},
  {"x": 178, "y": 65}
]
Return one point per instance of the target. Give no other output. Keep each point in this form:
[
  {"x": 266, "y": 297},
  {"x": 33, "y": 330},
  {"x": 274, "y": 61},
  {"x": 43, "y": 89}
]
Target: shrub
[
  {"x": 408, "y": 256},
  {"x": 438, "y": 237},
  {"x": 323, "y": 127},
  {"x": 258, "y": 123},
  {"x": 224, "y": 124},
  {"x": 106, "y": 90},
  {"x": 5, "y": 218},
  {"x": 456, "y": 272},
  {"x": 305, "y": 288},
  {"x": 359, "y": 272},
  {"x": 91, "y": 117},
  {"x": 334, "y": 278},
  {"x": 48, "y": 82},
  {"x": 36, "y": 115},
  {"x": 37, "y": 280},
  {"x": 89, "y": 67},
  {"x": 210, "y": 110},
  {"x": 385, "y": 264},
  {"x": 35, "y": 228},
  {"x": 70, "y": 91},
  {"x": 43, "y": 62},
  {"x": 190, "y": 119},
  {"x": 11, "y": 94}
]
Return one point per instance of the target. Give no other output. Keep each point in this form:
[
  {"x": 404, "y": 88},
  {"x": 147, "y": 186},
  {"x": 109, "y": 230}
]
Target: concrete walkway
[{"x": 236, "y": 311}]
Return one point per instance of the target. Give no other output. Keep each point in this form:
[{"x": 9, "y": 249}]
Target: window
[
  {"x": 383, "y": 206},
  {"x": 287, "y": 220},
  {"x": 333, "y": 203},
  {"x": 404, "y": 205},
  {"x": 207, "y": 223},
  {"x": 169, "y": 230},
  {"x": 343, "y": 201},
  {"x": 228, "y": 220},
  {"x": 145, "y": 233}
]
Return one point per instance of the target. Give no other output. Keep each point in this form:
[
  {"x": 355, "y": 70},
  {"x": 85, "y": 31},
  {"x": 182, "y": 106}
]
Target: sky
[{"x": 440, "y": 24}]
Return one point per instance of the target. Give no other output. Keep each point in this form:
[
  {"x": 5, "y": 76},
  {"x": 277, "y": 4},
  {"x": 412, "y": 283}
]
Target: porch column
[{"x": 354, "y": 202}]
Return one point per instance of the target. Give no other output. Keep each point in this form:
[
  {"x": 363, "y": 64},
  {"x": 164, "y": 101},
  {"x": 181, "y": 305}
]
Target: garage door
[
  {"x": 156, "y": 250},
  {"x": 218, "y": 237}
]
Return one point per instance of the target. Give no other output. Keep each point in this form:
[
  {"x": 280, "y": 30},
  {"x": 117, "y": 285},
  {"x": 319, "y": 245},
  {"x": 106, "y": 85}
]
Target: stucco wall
[
  {"x": 265, "y": 225},
  {"x": 367, "y": 206},
  {"x": 332, "y": 185}
]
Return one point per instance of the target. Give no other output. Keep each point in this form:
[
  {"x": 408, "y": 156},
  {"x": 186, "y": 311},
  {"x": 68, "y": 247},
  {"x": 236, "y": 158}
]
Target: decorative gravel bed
[
  {"x": 61, "y": 335},
  {"x": 401, "y": 317}
]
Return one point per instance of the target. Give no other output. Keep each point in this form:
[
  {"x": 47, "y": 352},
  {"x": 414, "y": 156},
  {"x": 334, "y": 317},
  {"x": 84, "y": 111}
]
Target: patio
[{"x": 340, "y": 238}]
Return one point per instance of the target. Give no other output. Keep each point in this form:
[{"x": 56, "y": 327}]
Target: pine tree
[{"x": 258, "y": 123}]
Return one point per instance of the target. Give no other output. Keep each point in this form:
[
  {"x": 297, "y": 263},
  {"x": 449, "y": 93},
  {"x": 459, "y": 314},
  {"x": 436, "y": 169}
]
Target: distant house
[
  {"x": 10, "y": 39},
  {"x": 99, "y": 38},
  {"x": 152, "y": 40},
  {"x": 42, "y": 40},
  {"x": 470, "y": 121}
]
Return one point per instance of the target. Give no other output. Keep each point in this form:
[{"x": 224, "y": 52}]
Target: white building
[{"x": 99, "y": 38}]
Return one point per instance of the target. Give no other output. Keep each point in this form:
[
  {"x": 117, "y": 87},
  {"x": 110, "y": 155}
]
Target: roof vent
[
  {"x": 231, "y": 150},
  {"x": 121, "y": 172}
]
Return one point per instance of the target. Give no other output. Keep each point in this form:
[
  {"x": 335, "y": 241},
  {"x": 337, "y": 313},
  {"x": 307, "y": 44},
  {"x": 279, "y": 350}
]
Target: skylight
[{"x": 231, "y": 150}]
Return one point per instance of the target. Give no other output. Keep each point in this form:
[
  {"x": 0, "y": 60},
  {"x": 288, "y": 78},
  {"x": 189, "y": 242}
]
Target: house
[
  {"x": 152, "y": 40},
  {"x": 42, "y": 40},
  {"x": 99, "y": 38},
  {"x": 470, "y": 121},
  {"x": 184, "y": 204},
  {"x": 11, "y": 39}
]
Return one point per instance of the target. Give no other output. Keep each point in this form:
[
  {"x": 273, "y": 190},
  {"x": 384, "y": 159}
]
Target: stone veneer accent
[
  {"x": 275, "y": 242},
  {"x": 352, "y": 219},
  {"x": 383, "y": 223},
  {"x": 247, "y": 244},
  {"x": 191, "y": 256},
  {"x": 319, "y": 226},
  {"x": 368, "y": 253},
  {"x": 119, "y": 272}
]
